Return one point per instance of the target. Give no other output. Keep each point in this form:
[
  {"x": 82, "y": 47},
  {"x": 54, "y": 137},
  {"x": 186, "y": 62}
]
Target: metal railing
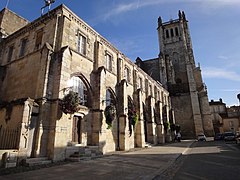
[{"x": 9, "y": 138}]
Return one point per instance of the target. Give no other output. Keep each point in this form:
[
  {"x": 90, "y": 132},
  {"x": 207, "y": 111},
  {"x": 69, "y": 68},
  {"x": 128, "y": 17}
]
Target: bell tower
[{"x": 179, "y": 74}]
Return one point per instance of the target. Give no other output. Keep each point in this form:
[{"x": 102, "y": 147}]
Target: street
[
  {"x": 199, "y": 160},
  {"x": 144, "y": 163},
  {"x": 207, "y": 160}
]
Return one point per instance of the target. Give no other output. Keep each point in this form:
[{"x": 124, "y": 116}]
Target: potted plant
[
  {"x": 133, "y": 119},
  {"x": 70, "y": 103},
  {"x": 110, "y": 114}
]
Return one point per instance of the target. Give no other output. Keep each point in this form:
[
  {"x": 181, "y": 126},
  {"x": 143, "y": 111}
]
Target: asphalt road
[
  {"x": 139, "y": 164},
  {"x": 208, "y": 160}
]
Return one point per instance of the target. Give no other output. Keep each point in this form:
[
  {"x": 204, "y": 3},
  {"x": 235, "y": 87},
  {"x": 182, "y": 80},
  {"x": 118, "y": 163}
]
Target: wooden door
[{"x": 76, "y": 130}]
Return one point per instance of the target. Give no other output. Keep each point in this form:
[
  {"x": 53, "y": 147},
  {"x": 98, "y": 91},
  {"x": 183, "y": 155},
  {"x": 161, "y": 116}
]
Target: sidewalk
[{"x": 137, "y": 164}]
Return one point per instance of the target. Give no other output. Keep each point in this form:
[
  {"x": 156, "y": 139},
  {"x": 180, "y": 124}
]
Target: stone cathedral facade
[
  {"x": 42, "y": 61},
  {"x": 175, "y": 68}
]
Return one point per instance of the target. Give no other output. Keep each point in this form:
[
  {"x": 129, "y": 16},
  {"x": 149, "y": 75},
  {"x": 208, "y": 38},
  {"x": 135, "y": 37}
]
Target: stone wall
[
  {"x": 184, "y": 115},
  {"x": 45, "y": 74},
  {"x": 10, "y": 22}
]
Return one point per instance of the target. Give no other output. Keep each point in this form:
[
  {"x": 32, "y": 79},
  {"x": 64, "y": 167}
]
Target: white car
[{"x": 201, "y": 137}]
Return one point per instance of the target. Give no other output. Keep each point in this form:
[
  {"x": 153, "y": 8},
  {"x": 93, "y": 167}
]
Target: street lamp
[{"x": 238, "y": 96}]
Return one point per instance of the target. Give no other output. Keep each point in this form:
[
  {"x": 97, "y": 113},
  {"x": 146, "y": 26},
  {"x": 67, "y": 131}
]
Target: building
[
  {"x": 175, "y": 68},
  {"x": 225, "y": 119},
  {"x": 42, "y": 62}
]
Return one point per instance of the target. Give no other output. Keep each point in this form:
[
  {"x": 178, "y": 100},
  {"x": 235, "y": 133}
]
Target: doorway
[{"x": 76, "y": 130}]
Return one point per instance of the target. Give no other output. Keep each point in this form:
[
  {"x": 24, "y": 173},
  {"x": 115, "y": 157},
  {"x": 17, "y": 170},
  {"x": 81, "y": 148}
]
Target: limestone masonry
[{"x": 122, "y": 105}]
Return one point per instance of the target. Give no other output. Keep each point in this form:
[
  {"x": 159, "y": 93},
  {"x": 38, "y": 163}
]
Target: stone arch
[
  {"x": 111, "y": 97},
  {"x": 87, "y": 89}
]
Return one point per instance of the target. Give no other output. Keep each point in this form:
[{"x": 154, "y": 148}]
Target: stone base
[{"x": 161, "y": 139}]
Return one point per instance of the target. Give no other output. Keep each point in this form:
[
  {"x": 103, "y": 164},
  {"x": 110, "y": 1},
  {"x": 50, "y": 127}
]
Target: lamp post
[{"x": 238, "y": 96}]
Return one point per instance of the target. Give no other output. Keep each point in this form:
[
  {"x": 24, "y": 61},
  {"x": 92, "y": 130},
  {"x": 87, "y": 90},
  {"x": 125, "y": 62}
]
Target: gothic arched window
[
  {"x": 79, "y": 87},
  {"x": 176, "y": 31},
  {"x": 127, "y": 74},
  {"x": 172, "y": 33},
  {"x": 109, "y": 62},
  {"x": 110, "y": 100},
  {"x": 167, "y": 33}
]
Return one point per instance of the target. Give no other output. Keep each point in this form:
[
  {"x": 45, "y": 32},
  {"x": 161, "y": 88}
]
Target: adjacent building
[{"x": 225, "y": 119}]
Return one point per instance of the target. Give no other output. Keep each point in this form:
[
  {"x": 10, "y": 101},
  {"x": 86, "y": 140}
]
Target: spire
[
  {"x": 179, "y": 14},
  {"x": 159, "y": 21},
  {"x": 183, "y": 15}
]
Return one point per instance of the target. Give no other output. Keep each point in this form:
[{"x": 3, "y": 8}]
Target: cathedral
[
  {"x": 176, "y": 70},
  {"x": 63, "y": 86}
]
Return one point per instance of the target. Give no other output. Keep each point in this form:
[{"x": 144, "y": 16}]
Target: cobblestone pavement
[{"x": 148, "y": 163}]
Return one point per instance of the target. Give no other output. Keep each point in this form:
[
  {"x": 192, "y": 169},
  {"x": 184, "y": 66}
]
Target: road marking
[{"x": 232, "y": 147}]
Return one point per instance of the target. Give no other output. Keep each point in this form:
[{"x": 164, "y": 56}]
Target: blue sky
[{"x": 131, "y": 26}]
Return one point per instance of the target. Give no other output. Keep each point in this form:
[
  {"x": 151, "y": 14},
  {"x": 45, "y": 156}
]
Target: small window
[
  {"x": 10, "y": 53},
  {"x": 176, "y": 31},
  {"x": 23, "y": 47},
  {"x": 172, "y": 34},
  {"x": 150, "y": 90},
  {"x": 140, "y": 83},
  {"x": 38, "y": 42},
  {"x": 109, "y": 60},
  {"x": 167, "y": 34},
  {"x": 146, "y": 86},
  {"x": 127, "y": 74},
  {"x": 81, "y": 44},
  {"x": 155, "y": 92}
]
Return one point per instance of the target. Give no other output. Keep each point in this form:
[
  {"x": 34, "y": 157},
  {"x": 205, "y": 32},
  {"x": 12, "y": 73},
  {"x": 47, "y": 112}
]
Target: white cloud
[
  {"x": 229, "y": 90},
  {"x": 137, "y": 4},
  {"x": 212, "y": 72},
  {"x": 223, "y": 57}
]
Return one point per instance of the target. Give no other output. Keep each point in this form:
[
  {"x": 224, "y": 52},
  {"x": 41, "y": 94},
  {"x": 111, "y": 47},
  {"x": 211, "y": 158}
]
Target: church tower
[{"x": 179, "y": 74}]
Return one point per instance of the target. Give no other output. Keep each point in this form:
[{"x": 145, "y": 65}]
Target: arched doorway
[{"x": 81, "y": 120}]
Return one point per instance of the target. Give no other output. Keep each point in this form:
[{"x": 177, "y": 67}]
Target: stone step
[
  {"x": 30, "y": 160},
  {"x": 37, "y": 161},
  {"x": 83, "y": 153},
  {"x": 77, "y": 159}
]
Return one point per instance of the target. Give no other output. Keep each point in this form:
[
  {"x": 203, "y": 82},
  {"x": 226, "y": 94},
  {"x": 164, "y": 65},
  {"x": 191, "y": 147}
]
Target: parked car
[
  {"x": 229, "y": 136},
  {"x": 201, "y": 137},
  {"x": 218, "y": 136}
]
